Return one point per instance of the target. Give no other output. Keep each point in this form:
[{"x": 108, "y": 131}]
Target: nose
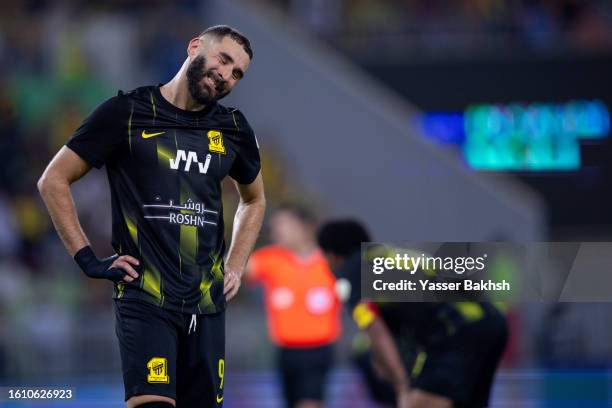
[{"x": 225, "y": 72}]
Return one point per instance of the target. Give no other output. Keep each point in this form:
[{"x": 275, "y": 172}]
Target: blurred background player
[
  {"x": 459, "y": 344},
  {"x": 301, "y": 304}
]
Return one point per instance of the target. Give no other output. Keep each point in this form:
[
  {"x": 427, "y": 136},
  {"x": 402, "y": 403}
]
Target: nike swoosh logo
[
  {"x": 219, "y": 399},
  {"x": 146, "y": 135}
]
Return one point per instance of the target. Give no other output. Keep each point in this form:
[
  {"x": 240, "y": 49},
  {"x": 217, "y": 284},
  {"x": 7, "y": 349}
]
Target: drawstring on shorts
[{"x": 194, "y": 323}]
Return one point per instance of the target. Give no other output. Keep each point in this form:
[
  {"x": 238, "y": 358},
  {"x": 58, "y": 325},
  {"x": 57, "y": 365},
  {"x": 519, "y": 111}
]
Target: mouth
[
  {"x": 215, "y": 81},
  {"x": 210, "y": 83}
]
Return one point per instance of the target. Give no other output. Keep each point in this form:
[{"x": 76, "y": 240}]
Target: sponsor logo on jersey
[
  {"x": 215, "y": 142},
  {"x": 282, "y": 298},
  {"x": 319, "y": 300},
  {"x": 146, "y": 135},
  {"x": 189, "y": 213},
  {"x": 189, "y": 157},
  {"x": 158, "y": 370}
]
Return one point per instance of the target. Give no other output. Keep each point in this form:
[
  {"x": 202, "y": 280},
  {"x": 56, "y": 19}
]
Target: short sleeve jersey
[{"x": 165, "y": 166}]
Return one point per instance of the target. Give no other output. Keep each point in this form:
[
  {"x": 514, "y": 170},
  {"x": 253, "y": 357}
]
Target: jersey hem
[{"x": 141, "y": 296}]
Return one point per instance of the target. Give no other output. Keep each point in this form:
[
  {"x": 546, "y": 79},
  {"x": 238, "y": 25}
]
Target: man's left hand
[{"x": 231, "y": 283}]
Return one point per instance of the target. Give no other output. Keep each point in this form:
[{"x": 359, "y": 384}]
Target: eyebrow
[{"x": 226, "y": 56}]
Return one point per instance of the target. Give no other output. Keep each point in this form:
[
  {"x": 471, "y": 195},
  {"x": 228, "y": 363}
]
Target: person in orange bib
[{"x": 303, "y": 311}]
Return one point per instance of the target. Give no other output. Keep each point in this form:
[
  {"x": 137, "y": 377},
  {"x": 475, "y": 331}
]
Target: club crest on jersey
[
  {"x": 158, "y": 370},
  {"x": 215, "y": 142}
]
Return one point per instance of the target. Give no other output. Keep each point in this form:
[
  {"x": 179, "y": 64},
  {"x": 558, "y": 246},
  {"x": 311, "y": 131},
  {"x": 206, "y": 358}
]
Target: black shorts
[
  {"x": 171, "y": 354},
  {"x": 304, "y": 372},
  {"x": 461, "y": 355}
]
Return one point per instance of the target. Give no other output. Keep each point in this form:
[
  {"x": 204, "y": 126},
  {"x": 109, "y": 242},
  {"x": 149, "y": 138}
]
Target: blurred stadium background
[{"x": 430, "y": 119}]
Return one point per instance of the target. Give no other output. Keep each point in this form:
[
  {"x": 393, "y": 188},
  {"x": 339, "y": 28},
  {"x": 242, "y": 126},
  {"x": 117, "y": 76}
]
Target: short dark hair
[
  {"x": 342, "y": 237},
  {"x": 222, "y": 31},
  {"x": 301, "y": 212}
]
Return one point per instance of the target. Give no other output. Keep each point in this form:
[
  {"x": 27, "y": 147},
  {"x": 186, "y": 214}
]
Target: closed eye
[
  {"x": 237, "y": 74},
  {"x": 224, "y": 59}
]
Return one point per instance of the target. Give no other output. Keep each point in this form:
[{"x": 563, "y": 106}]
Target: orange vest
[{"x": 301, "y": 303}]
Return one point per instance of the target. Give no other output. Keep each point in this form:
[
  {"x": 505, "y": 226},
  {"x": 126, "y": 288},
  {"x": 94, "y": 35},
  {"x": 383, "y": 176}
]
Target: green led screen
[{"x": 538, "y": 136}]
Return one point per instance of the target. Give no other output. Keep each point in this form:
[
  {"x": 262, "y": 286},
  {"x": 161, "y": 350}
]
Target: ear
[{"x": 194, "y": 45}]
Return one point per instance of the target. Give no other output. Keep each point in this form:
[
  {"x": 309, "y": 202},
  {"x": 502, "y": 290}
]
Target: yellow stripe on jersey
[
  {"x": 164, "y": 155},
  {"x": 130, "y": 127},
  {"x": 120, "y": 287},
  {"x": 188, "y": 235},
  {"x": 150, "y": 280},
  {"x": 133, "y": 231},
  {"x": 153, "y": 106},
  {"x": 131, "y": 226},
  {"x": 216, "y": 274},
  {"x": 235, "y": 123},
  {"x": 151, "y": 283}
]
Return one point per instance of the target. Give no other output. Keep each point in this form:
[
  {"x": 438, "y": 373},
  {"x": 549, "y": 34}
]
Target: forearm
[
  {"x": 385, "y": 351},
  {"x": 58, "y": 200},
  {"x": 247, "y": 223}
]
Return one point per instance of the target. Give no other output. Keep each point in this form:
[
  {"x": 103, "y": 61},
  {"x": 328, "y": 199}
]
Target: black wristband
[
  {"x": 84, "y": 257},
  {"x": 96, "y": 268}
]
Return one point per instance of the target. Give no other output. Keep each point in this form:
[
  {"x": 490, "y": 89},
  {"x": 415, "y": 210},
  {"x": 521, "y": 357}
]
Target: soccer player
[
  {"x": 460, "y": 344},
  {"x": 166, "y": 149},
  {"x": 302, "y": 308}
]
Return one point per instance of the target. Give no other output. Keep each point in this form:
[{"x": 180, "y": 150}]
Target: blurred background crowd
[
  {"x": 59, "y": 59},
  {"x": 460, "y": 27}
]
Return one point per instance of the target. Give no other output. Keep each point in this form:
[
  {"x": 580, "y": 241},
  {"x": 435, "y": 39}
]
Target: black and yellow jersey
[{"x": 165, "y": 166}]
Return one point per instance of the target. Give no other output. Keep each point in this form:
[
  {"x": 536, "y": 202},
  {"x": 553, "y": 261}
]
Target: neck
[
  {"x": 177, "y": 92},
  {"x": 304, "y": 248}
]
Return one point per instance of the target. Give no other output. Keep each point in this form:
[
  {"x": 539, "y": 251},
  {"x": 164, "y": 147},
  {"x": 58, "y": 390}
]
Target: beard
[{"x": 201, "y": 91}]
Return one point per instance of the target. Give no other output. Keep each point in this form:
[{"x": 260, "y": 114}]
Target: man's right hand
[{"x": 115, "y": 268}]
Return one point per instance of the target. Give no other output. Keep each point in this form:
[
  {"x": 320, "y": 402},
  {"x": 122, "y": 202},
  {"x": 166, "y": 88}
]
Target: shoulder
[
  {"x": 140, "y": 93},
  {"x": 109, "y": 111},
  {"x": 263, "y": 262},
  {"x": 351, "y": 269},
  {"x": 122, "y": 98},
  {"x": 319, "y": 259},
  {"x": 228, "y": 110},
  {"x": 237, "y": 117}
]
